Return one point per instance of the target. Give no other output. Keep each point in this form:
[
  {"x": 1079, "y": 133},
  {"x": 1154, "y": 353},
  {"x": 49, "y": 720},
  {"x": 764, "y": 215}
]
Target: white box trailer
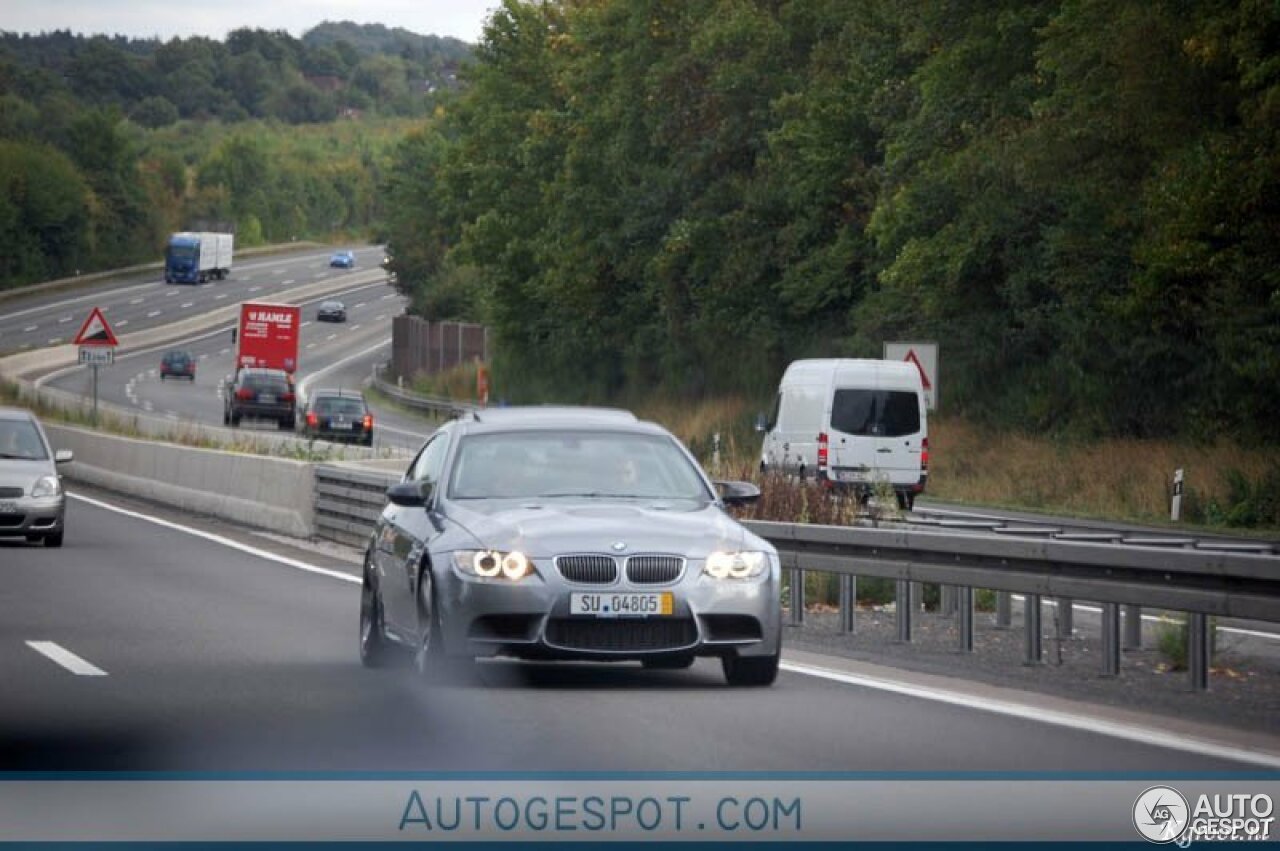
[{"x": 196, "y": 257}]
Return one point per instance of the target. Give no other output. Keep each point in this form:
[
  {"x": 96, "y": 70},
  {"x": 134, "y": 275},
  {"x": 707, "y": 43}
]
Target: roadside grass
[
  {"x": 458, "y": 382},
  {"x": 1225, "y": 485}
]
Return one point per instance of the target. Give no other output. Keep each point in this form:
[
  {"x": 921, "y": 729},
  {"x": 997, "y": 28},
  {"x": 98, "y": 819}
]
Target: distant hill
[
  {"x": 368, "y": 39},
  {"x": 335, "y": 70}
]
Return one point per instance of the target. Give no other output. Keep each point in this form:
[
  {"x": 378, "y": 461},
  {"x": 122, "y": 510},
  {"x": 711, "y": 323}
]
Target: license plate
[
  {"x": 8, "y": 508},
  {"x": 850, "y": 476},
  {"x": 340, "y": 425},
  {"x": 622, "y": 604},
  {"x": 266, "y": 399}
]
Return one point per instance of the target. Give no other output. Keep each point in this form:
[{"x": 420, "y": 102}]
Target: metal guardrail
[
  {"x": 418, "y": 402},
  {"x": 348, "y": 503},
  {"x": 1200, "y": 581}
]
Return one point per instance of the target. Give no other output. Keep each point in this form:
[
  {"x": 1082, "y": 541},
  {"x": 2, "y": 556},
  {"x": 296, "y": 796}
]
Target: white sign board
[
  {"x": 925, "y": 357},
  {"x": 97, "y": 355}
]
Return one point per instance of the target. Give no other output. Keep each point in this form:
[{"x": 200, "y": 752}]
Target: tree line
[
  {"x": 109, "y": 144},
  {"x": 1079, "y": 200}
]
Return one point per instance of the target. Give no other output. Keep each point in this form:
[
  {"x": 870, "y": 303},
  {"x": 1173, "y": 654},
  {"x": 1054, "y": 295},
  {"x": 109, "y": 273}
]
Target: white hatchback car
[{"x": 32, "y": 503}]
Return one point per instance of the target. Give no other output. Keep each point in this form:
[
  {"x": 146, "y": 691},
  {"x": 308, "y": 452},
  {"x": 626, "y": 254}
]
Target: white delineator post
[{"x": 1176, "y": 511}]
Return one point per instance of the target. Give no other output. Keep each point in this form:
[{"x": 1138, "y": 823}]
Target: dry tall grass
[{"x": 1111, "y": 479}]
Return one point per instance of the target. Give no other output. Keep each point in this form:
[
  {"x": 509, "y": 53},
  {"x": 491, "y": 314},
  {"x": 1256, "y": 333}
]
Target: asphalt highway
[
  {"x": 145, "y": 301},
  {"x": 331, "y": 354},
  {"x": 155, "y": 642}
]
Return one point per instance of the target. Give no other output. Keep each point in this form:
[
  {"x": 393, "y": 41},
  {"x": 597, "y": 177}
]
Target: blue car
[{"x": 343, "y": 260}]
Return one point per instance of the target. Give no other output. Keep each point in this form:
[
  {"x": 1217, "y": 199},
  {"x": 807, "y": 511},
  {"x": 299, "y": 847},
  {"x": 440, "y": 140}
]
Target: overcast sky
[{"x": 215, "y": 18}]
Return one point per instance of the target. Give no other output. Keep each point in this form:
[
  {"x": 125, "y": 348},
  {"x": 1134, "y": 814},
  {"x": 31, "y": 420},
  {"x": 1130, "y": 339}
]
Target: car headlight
[
  {"x": 47, "y": 486},
  {"x": 492, "y": 564},
  {"x": 739, "y": 565}
]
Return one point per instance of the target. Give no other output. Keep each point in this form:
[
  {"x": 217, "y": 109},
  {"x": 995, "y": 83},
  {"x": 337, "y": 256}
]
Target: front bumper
[
  {"x": 32, "y": 515},
  {"x": 531, "y": 619}
]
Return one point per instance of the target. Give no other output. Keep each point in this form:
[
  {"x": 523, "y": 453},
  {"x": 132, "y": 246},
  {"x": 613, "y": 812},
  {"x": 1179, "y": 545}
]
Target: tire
[
  {"x": 428, "y": 655},
  {"x": 750, "y": 670},
  {"x": 284, "y": 424},
  {"x": 235, "y": 420},
  {"x": 54, "y": 539},
  {"x": 374, "y": 647},
  {"x": 226, "y": 417},
  {"x": 906, "y": 501},
  {"x": 667, "y": 663},
  {"x": 431, "y": 662},
  {"x": 163, "y": 376}
]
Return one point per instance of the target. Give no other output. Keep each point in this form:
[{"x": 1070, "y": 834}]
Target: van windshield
[{"x": 875, "y": 413}]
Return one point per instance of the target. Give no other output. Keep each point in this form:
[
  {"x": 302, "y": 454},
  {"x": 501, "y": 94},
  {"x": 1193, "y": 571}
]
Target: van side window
[{"x": 875, "y": 413}]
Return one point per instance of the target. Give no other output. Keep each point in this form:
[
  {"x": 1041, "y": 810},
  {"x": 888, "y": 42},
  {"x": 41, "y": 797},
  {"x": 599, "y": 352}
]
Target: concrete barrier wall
[{"x": 270, "y": 493}]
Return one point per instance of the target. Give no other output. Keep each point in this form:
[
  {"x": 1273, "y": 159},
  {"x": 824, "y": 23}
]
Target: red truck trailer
[{"x": 268, "y": 336}]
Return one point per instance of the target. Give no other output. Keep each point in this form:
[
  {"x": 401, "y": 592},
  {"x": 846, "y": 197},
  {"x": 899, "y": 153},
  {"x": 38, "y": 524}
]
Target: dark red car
[{"x": 178, "y": 364}]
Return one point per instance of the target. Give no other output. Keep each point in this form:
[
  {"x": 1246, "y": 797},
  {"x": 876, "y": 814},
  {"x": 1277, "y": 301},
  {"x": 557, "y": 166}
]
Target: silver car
[
  {"x": 31, "y": 499},
  {"x": 568, "y": 533}
]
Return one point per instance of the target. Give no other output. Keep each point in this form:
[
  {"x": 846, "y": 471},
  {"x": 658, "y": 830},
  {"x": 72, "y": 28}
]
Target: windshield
[
  {"x": 19, "y": 439},
  {"x": 876, "y": 413},
  {"x": 541, "y": 464},
  {"x": 182, "y": 252},
  {"x": 340, "y": 406}
]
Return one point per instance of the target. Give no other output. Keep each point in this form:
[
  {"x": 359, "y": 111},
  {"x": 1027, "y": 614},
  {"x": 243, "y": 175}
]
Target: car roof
[
  {"x": 331, "y": 391},
  {"x": 555, "y": 418}
]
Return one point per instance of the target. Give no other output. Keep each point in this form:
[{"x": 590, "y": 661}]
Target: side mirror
[
  {"x": 762, "y": 425},
  {"x": 410, "y": 494},
  {"x": 62, "y": 456},
  {"x": 738, "y": 493},
  {"x": 234, "y": 331}
]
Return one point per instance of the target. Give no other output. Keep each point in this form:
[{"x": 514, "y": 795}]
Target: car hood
[
  {"x": 549, "y": 528},
  {"x": 15, "y": 473}
]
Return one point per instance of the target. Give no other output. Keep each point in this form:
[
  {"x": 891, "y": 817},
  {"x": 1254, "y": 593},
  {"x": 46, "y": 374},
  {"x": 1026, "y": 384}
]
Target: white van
[{"x": 851, "y": 423}]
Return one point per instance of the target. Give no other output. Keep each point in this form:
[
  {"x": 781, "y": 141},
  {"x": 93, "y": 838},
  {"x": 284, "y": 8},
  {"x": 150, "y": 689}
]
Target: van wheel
[{"x": 906, "y": 501}]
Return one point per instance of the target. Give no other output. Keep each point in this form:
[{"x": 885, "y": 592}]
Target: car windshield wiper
[
  {"x": 17, "y": 457},
  {"x": 599, "y": 495}
]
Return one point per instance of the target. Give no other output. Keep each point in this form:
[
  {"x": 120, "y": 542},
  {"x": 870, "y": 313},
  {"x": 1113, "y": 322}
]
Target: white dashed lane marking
[{"x": 66, "y": 659}]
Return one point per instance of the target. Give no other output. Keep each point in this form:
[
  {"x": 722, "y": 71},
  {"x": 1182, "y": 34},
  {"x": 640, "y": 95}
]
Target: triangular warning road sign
[
  {"x": 911, "y": 358},
  {"x": 95, "y": 331}
]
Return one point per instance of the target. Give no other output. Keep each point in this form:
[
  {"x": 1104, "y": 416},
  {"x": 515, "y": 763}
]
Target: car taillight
[
  {"x": 312, "y": 420},
  {"x": 924, "y": 454},
  {"x": 244, "y": 394},
  {"x": 368, "y": 422},
  {"x": 823, "y": 456},
  {"x": 287, "y": 397}
]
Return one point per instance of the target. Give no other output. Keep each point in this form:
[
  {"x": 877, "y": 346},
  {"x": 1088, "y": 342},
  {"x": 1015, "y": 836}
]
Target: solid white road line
[
  {"x": 66, "y": 659},
  {"x": 1129, "y": 732},
  {"x": 305, "y": 384},
  {"x": 218, "y": 539}
]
